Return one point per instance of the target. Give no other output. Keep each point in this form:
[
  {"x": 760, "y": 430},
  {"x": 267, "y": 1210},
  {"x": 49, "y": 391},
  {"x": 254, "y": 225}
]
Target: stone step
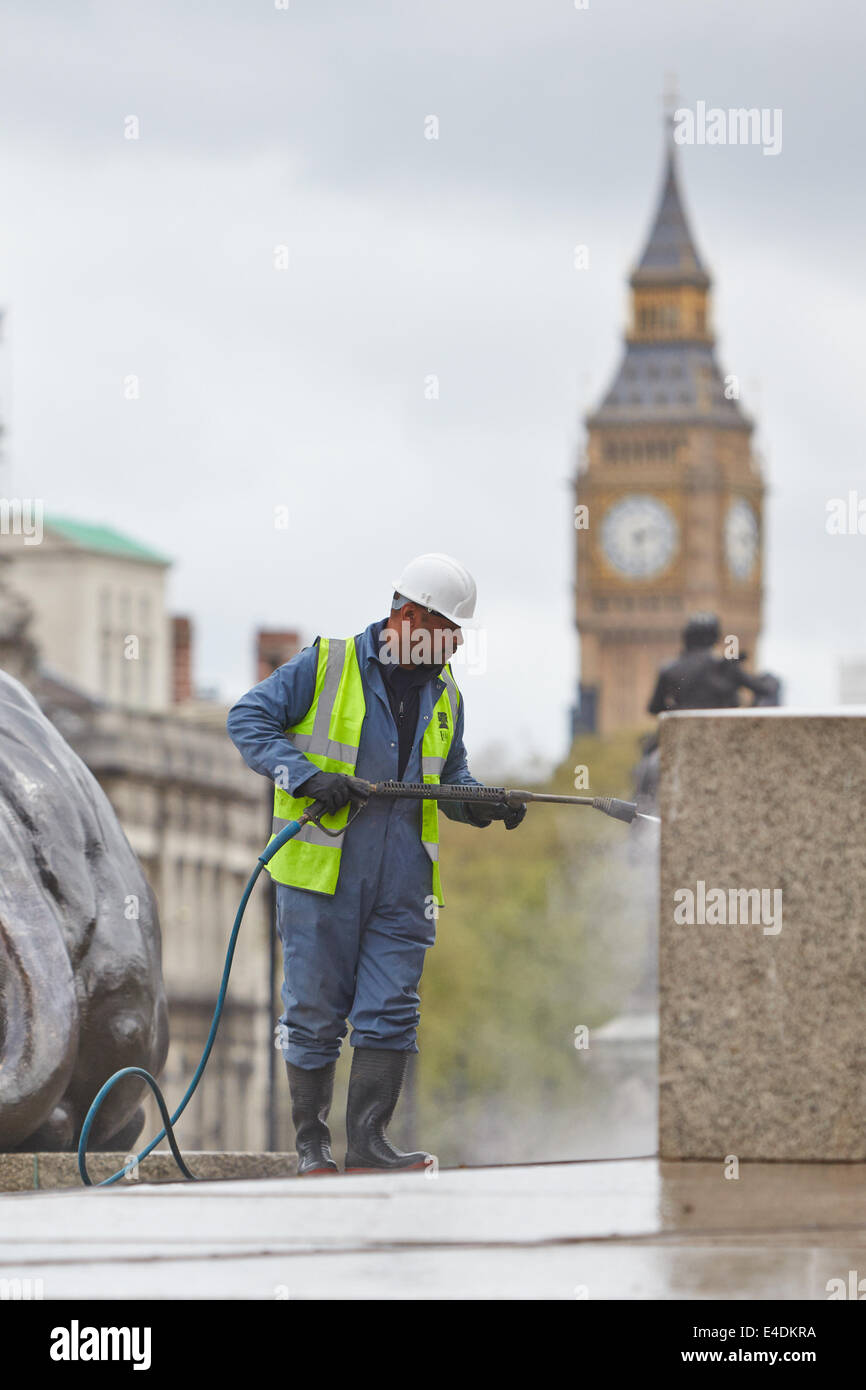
[{"x": 25, "y": 1172}]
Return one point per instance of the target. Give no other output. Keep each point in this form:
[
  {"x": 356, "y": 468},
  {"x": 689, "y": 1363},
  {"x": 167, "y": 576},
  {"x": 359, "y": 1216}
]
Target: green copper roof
[{"x": 89, "y": 535}]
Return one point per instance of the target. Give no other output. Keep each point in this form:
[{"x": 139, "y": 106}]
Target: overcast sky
[{"x": 409, "y": 257}]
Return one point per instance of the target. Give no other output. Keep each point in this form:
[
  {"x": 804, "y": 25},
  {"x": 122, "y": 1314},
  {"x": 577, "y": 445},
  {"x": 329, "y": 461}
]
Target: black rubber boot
[
  {"x": 311, "y": 1100},
  {"x": 374, "y": 1089}
]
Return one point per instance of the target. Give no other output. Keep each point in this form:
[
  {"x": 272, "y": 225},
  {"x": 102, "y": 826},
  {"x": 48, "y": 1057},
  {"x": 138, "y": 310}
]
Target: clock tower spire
[{"x": 669, "y": 494}]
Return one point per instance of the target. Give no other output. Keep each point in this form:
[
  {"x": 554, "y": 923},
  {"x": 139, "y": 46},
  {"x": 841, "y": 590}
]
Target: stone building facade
[
  {"x": 98, "y": 600},
  {"x": 193, "y": 812}
]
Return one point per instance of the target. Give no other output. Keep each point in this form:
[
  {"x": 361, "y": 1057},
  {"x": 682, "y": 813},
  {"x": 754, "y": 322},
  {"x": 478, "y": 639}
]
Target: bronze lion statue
[{"x": 81, "y": 991}]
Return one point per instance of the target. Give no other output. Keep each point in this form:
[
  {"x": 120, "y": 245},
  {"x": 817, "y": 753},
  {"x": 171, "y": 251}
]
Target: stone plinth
[{"x": 762, "y": 1048}]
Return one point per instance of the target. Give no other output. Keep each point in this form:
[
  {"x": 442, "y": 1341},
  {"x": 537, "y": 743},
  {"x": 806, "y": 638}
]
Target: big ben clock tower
[{"x": 669, "y": 493}]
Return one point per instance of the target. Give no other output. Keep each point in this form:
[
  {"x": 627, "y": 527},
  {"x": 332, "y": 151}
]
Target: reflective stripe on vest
[
  {"x": 435, "y": 746},
  {"x": 329, "y": 735}
]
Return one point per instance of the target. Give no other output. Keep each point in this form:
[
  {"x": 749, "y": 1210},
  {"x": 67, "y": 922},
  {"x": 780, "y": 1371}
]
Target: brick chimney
[
  {"x": 181, "y": 654},
  {"x": 274, "y": 649}
]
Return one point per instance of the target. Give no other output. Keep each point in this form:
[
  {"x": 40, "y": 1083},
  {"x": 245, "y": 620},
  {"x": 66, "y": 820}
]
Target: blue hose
[{"x": 276, "y": 844}]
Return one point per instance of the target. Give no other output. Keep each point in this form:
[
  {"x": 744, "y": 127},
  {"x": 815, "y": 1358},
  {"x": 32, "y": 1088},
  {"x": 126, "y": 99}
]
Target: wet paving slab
[{"x": 622, "y": 1229}]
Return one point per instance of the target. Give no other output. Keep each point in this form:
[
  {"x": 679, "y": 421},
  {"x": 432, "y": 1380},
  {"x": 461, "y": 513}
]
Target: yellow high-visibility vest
[{"x": 329, "y": 735}]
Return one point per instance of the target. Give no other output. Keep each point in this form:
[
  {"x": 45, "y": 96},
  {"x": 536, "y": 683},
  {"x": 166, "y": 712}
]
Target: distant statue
[
  {"x": 697, "y": 679},
  {"x": 81, "y": 990}
]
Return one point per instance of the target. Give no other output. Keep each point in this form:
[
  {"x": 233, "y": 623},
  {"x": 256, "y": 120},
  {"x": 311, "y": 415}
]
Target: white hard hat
[{"x": 440, "y": 583}]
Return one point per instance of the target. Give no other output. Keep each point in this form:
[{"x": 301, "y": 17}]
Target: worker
[{"x": 356, "y": 914}]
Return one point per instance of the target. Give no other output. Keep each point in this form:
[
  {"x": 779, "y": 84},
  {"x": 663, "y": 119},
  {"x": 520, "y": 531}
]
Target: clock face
[
  {"x": 741, "y": 538},
  {"x": 639, "y": 535}
]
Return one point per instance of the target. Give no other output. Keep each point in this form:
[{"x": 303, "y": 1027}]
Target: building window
[
  {"x": 144, "y": 673},
  {"x": 105, "y": 663},
  {"x": 126, "y": 665}
]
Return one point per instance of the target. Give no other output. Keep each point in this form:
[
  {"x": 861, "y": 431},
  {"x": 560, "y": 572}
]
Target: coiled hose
[{"x": 168, "y": 1121}]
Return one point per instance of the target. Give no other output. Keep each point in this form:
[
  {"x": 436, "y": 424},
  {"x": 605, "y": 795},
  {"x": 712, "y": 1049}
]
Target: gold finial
[{"x": 670, "y": 98}]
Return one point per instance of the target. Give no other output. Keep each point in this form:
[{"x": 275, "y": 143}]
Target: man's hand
[
  {"x": 485, "y": 811},
  {"x": 333, "y": 789}
]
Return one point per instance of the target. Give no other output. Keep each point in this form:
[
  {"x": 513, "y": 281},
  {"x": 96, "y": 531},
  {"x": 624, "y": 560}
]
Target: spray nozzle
[{"x": 612, "y": 806}]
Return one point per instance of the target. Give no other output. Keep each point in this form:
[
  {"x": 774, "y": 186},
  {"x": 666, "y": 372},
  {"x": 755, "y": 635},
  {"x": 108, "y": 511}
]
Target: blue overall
[{"x": 357, "y": 954}]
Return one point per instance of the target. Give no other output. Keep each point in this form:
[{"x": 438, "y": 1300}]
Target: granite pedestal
[{"x": 762, "y": 935}]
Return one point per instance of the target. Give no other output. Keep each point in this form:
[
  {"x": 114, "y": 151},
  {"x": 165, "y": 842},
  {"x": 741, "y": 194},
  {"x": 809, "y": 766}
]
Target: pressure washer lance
[
  {"x": 468, "y": 791},
  {"x": 432, "y": 791}
]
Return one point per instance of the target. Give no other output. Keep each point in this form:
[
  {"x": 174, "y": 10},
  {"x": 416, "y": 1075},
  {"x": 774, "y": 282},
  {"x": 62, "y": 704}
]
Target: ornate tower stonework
[{"x": 669, "y": 493}]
